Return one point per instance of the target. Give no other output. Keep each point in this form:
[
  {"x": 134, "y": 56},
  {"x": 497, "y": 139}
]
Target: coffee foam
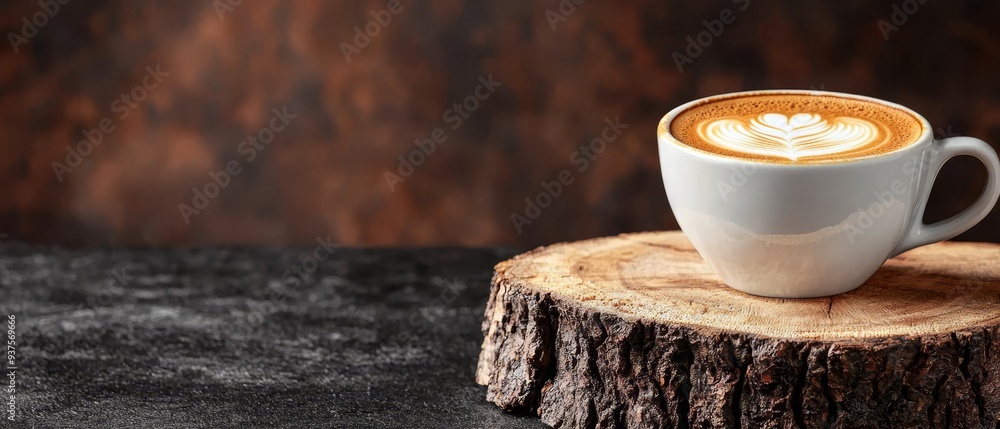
[{"x": 795, "y": 128}]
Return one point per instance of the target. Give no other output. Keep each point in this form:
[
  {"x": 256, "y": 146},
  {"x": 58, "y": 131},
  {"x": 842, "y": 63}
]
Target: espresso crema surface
[{"x": 795, "y": 128}]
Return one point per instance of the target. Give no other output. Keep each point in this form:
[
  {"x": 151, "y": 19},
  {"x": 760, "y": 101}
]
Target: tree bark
[{"x": 634, "y": 331}]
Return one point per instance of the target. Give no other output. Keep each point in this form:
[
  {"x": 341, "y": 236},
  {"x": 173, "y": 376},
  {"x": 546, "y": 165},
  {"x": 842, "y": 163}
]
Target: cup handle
[{"x": 918, "y": 233}]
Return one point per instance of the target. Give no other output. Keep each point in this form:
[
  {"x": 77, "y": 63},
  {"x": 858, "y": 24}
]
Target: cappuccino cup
[{"x": 802, "y": 194}]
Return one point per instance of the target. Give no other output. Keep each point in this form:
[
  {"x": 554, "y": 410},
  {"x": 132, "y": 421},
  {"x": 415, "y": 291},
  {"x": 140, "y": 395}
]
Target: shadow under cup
[{"x": 796, "y": 230}]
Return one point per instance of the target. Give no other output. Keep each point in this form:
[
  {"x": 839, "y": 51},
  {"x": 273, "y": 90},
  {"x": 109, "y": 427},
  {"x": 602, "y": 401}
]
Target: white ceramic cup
[{"x": 817, "y": 229}]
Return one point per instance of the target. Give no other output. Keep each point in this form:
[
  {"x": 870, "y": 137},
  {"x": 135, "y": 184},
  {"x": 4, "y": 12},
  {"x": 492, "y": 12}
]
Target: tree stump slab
[{"x": 635, "y": 331}]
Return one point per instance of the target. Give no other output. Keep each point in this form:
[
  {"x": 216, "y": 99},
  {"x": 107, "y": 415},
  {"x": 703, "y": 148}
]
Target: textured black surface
[{"x": 216, "y": 338}]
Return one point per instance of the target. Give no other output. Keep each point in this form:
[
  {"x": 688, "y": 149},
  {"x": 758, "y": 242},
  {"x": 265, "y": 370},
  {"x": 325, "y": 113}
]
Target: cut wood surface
[{"x": 636, "y": 331}]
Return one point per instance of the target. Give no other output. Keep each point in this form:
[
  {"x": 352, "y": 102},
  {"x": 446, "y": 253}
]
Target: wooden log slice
[{"x": 635, "y": 331}]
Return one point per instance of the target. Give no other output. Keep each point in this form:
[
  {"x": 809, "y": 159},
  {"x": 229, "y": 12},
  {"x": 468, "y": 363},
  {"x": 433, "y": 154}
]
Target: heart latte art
[
  {"x": 801, "y": 135},
  {"x": 798, "y": 128}
]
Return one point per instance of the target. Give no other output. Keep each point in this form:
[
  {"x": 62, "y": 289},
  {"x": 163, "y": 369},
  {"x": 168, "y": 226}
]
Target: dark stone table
[{"x": 234, "y": 338}]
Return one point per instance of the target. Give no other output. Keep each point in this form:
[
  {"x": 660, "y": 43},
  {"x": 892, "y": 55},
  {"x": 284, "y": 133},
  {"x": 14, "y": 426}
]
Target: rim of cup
[{"x": 663, "y": 134}]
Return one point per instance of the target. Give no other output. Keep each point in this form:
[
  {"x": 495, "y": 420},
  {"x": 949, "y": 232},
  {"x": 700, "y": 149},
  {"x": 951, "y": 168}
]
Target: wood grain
[{"x": 635, "y": 331}]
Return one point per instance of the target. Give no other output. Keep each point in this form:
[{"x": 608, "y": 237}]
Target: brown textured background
[{"x": 324, "y": 174}]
